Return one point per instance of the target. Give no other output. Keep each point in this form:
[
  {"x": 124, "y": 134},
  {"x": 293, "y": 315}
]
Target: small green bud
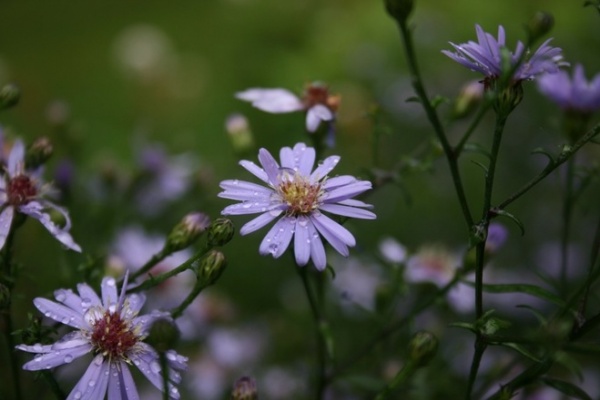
[
  {"x": 4, "y": 297},
  {"x": 220, "y": 232},
  {"x": 469, "y": 98},
  {"x": 422, "y": 347},
  {"x": 163, "y": 335},
  {"x": 400, "y": 10},
  {"x": 39, "y": 152},
  {"x": 244, "y": 389},
  {"x": 187, "y": 231},
  {"x": 211, "y": 267},
  {"x": 539, "y": 25},
  {"x": 9, "y": 96},
  {"x": 240, "y": 135}
]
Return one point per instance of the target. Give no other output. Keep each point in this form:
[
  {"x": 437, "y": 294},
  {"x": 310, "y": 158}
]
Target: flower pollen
[
  {"x": 299, "y": 194},
  {"x": 319, "y": 94},
  {"x": 20, "y": 190},
  {"x": 112, "y": 336}
]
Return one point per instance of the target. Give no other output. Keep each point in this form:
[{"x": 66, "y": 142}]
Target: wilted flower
[
  {"x": 486, "y": 57},
  {"x": 316, "y": 101},
  {"x": 297, "y": 197},
  {"x": 432, "y": 263},
  {"x": 21, "y": 190},
  {"x": 574, "y": 94},
  {"x": 111, "y": 330}
]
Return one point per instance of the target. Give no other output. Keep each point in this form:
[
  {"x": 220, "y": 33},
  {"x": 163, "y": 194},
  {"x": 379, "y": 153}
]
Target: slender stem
[
  {"x": 480, "y": 347},
  {"x": 157, "y": 280},
  {"x": 567, "y": 213},
  {"x": 554, "y": 164},
  {"x": 451, "y": 155},
  {"x": 156, "y": 258},
  {"x": 321, "y": 342},
  {"x": 164, "y": 370},
  {"x": 177, "y": 311},
  {"x": 463, "y": 141},
  {"x": 404, "y": 374}
]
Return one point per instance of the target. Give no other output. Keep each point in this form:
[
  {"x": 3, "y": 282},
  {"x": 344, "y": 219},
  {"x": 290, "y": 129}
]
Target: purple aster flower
[
  {"x": 485, "y": 57},
  {"x": 110, "y": 329},
  {"x": 318, "y": 103},
  {"x": 298, "y": 198},
  {"x": 22, "y": 191},
  {"x": 572, "y": 94}
]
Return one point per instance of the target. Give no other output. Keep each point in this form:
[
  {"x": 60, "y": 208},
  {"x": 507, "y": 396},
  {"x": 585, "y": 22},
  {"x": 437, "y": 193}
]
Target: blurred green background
[{"x": 129, "y": 70}]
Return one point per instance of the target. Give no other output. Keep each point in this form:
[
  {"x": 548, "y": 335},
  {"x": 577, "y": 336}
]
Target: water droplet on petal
[
  {"x": 68, "y": 358},
  {"x": 110, "y": 282},
  {"x": 155, "y": 367},
  {"x": 77, "y": 395}
]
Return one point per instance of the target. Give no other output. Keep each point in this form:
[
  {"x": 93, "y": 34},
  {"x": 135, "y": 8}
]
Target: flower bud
[
  {"x": 211, "y": 267},
  {"x": 220, "y": 232},
  {"x": 244, "y": 389},
  {"x": 539, "y": 25},
  {"x": 422, "y": 347},
  {"x": 239, "y": 133},
  {"x": 187, "y": 231},
  {"x": 9, "y": 96},
  {"x": 399, "y": 9},
  {"x": 163, "y": 334},
  {"x": 469, "y": 98},
  {"x": 38, "y": 153}
]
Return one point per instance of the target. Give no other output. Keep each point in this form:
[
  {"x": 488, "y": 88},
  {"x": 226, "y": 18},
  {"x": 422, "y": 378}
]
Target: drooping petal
[
  {"x": 92, "y": 384},
  {"x": 34, "y": 210},
  {"x": 6, "y": 217},
  {"x": 334, "y": 240},
  {"x": 317, "y": 251},
  {"x": 60, "y": 313},
  {"x": 315, "y": 115},
  {"x": 259, "y": 222},
  {"x": 278, "y": 238},
  {"x": 121, "y": 385},
  {"x": 56, "y": 357},
  {"x": 302, "y": 241},
  {"x": 323, "y": 222},
  {"x": 272, "y": 100}
]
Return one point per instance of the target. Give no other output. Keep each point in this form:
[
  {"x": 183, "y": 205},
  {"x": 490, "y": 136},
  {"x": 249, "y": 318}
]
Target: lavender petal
[
  {"x": 259, "y": 222},
  {"x": 348, "y": 211},
  {"x": 56, "y": 357},
  {"x": 60, "y": 313},
  {"x": 302, "y": 241},
  {"x": 278, "y": 238},
  {"x": 6, "y": 218},
  {"x": 92, "y": 384}
]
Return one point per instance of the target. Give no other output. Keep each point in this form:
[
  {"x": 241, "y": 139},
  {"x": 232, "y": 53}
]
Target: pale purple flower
[
  {"x": 22, "y": 191},
  {"x": 297, "y": 198},
  {"x": 109, "y": 328},
  {"x": 485, "y": 57},
  {"x": 572, "y": 94},
  {"x": 432, "y": 263},
  {"x": 316, "y": 101}
]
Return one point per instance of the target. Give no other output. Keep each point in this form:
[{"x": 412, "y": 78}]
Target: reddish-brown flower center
[
  {"x": 20, "y": 190},
  {"x": 319, "y": 94},
  {"x": 299, "y": 194},
  {"x": 112, "y": 336}
]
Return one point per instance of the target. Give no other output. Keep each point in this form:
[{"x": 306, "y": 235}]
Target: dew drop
[
  {"x": 86, "y": 302},
  {"x": 111, "y": 282},
  {"x": 60, "y": 296},
  {"x": 68, "y": 358},
  {"x": 92, "y": 383},
  {"x": 77, "y": 395},
  {"x": 155, "y": 367},
  {"x": 37, "y": 347}
]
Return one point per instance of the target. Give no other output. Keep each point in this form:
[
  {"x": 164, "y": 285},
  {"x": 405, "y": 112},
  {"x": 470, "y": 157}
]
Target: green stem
[
  {"x": 480, "y": 347},
  {"x": 156, "y": 258},
  {"x": 431, "y": 113},
  {"x": 157, "y": 280},
  {"x": 177, "y": 311},
  {"x": 463, "y": 141},
  {"x": 567, "y": 213},
  {"x": 164, "y": 370},
  {"x": 554, "y": 164},
  {"x": 402, "y": 376},
  {"x": 321, "y": 341}
]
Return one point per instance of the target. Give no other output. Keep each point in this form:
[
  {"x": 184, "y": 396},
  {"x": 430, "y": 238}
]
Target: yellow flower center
[{"x": 301, "y": 196}]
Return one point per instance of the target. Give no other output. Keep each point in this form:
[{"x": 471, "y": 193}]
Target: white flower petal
[
  {"x": 272, "y": 100},
  {"x": 315, "y": 115}
]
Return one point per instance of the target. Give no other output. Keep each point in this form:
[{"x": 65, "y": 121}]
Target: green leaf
[
  {"x": 437, "y": 100},
  {"x": 541, "y": 151},
  {"x": 464, "y": 325},
  {"x": 477, "y": 148},
  {"x": 504, "y": 213},
  {"x": 522, "y": 350},
  {"x": 540, "y": 317},
  {"x": 567, "y": 388},
  {"x": 532, "y": 290}
]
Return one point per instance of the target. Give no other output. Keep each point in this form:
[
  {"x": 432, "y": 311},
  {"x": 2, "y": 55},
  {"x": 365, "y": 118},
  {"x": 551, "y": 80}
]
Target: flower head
[
  {"x": 298, "y": 198},
  {"x": 574, "y": 94},
  {"x": 486, "y": 57},
  {"x": 22, "y": 191},
  {"x": 110, "y": 329},
  {"x": 317, "y": 102}
]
